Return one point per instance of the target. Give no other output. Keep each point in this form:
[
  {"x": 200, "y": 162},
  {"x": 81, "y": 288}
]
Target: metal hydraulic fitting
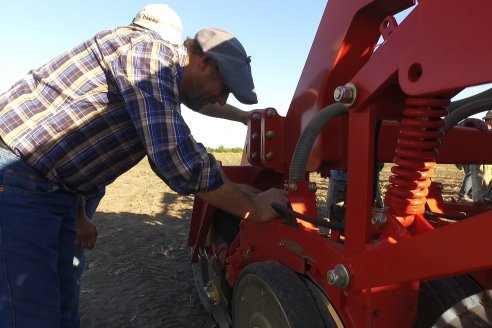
[
  {"x": 212, "y": 292},
  {"x": 378, "y": 218},
  {"x": 345, "y": 94},
  {"x": 290, "y": 185},
  {"x": 339, "y": 276}
]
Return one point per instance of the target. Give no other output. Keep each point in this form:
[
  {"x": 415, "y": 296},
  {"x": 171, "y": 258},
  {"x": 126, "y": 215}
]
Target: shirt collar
[{"x": 182, "y": 56}]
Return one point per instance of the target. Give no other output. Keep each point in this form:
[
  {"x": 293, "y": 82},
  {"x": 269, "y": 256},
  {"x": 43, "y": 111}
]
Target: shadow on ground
[{"x": 139, "y": 275}]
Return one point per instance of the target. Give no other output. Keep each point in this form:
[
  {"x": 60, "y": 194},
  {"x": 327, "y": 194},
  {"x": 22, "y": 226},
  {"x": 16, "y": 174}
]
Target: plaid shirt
[{"x": 94, "y": 112}]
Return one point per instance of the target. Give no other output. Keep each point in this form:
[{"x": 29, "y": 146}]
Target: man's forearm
[
  {"x": 230, "y": 198},
  {"x": 227, "y": 112},
  {"x": 245, "y": 203}
]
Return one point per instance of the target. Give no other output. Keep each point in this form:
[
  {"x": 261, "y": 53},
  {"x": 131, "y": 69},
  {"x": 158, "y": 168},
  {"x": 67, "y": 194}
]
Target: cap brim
[
  {"x": 236, "y": 75},
  {"x": 232, "y": 62}
]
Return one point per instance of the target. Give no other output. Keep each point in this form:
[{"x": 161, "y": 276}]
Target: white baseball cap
[{"x": 161, "y": 19}]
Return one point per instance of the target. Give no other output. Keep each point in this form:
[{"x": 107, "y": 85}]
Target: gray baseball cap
[
  {"x": 232, "y": 61},
  {"x": 488, "y": 116}
]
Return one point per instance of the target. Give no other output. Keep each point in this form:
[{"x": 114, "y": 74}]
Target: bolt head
[
  {"x": 345, "y": 94},
  {"x": 339, "y": 276},
  {"x": 331, "y": 276},
  {"x": 338, "y": 93},
  {"x": 379, "y": 218}
]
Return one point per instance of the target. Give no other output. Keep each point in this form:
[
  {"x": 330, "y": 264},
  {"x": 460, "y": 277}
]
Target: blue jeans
[
  {"x": 37, "y": 234},
  {"x": 337, "y": 193},
  {"x": 466, "y": 185}
]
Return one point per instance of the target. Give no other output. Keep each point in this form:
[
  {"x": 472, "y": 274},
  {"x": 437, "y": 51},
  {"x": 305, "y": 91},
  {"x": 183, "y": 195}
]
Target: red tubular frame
[{"x": 435, "y": 52}]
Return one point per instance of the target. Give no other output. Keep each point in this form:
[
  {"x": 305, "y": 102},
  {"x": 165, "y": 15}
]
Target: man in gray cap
[
  {"x": 481, "y": 174},
  {"x": 74, "y": 125},
  {"x": 488, "y": 118}
]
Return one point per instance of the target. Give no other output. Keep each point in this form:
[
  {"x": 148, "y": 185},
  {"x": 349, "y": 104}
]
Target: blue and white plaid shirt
[{"x": 94, "y": 112}]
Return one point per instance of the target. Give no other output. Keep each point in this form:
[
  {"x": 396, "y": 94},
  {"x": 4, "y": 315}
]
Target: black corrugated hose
[{"x": 307, "y": 138}]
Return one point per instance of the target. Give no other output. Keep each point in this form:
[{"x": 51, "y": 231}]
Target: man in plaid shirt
[{"x": 74, "y": 125}]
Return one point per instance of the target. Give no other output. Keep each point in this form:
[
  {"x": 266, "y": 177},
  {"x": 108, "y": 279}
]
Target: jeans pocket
[{"x": 19, "y": 177}]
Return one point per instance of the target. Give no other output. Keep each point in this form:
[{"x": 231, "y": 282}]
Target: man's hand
[
  {"x": 263, "y": 211},
  {"x": 245, "y": 201},
  {"x": 86, "y": 232}
]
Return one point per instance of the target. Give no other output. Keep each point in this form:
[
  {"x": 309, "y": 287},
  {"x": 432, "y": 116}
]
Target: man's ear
[{"x": 203, "y": 62}]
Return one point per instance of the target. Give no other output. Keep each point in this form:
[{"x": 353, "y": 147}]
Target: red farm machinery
[{"x": 372, "y": 91}]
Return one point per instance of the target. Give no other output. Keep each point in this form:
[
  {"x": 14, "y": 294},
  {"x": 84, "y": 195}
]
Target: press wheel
[
  {"x": 473, "y": 311},
  {"x": 437, "y": 296},
  {"x": 270, "y": 295}
]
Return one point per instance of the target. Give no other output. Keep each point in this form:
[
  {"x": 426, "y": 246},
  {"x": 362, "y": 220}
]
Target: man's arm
[
  {"x": 244, "y": 202},
  {"x": 227, "y": 112},
  {"x": 86, "y": 229}
]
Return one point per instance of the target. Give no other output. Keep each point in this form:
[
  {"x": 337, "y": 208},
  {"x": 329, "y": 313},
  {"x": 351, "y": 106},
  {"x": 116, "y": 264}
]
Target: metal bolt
[
  {"x": 255, "y": 136},
  {"x": 270, "y": 135},
  {"x": 312, "y": 186},
  {"x": 291, "y": 186},
  {"x": 269, "y": 155},
  {"x": 345, "y": 94},
  {"x": 339, "y": 276},
  {"x": 255, "y": 156},
  {"x": 270, "y": 112},
  {"x": 247, "y": 254},
  {"x": 256, "y": 116},
  {"x": 332, "y": 277},
  {"x": 379, "y": 218}
]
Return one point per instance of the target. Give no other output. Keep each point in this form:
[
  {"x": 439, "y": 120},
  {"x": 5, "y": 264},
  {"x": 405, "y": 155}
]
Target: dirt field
[{"x": 139, "y": 274}]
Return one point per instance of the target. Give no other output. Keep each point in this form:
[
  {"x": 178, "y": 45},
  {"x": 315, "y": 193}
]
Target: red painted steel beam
[
  {"x": 347, "y": 34},
  {"x": 452, "y": 250},
  {"x": 470, "y": 142}
]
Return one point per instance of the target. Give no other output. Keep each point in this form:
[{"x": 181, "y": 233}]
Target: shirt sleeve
[{"x": 147, "y": 76}]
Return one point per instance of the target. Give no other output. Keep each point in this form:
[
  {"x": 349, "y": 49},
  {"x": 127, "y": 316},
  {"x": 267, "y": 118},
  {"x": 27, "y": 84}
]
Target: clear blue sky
[{"x": 277, "y": 34}]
